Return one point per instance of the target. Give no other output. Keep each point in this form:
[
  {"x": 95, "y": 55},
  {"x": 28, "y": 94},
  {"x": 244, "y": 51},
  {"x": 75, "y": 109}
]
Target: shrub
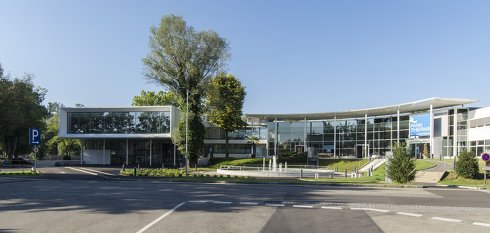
[
  {"x": 467, "y": 165},
  {"x": 401, "y": 167}
]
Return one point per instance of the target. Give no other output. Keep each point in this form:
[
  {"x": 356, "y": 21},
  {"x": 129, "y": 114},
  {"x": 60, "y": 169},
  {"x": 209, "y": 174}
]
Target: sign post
[
  {"x": 35, "y": 139},
  {"x": 485, "y": 157}
]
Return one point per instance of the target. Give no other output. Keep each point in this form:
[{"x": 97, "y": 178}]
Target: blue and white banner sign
[{"x": 420, "y": 126}]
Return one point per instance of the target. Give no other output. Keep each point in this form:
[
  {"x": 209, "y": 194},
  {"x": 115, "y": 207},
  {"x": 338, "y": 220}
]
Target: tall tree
[
  {"x": 401, "y": 167},
  {"x": 20, "y": 109},
  {"x": 183, "y": 60},
  {"x": 150, "y": 98},
  {"x": 224, "y": 104}
]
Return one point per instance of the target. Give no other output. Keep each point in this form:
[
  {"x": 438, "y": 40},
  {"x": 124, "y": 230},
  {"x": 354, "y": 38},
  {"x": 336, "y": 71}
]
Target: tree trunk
[
  {"x": 226, "y": 145},
  {"x": 10, "y": 143}
]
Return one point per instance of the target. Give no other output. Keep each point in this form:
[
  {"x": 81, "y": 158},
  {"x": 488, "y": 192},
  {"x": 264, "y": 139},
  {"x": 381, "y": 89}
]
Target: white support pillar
[
  {"x": 398, "y": 126},
  {"x": 127, "y": 151},
  {"x": 431, "y": 132},
  {"x": 304, "y": 143},
  {"x": 151, "y": 152},
  {"x": 366, "y": 149},
  {"x": 103, "y": 152},
  {"x": 455, "y": 134},
  {"x": 335, "y": 137},
  {"x": 275, "y": 137}
]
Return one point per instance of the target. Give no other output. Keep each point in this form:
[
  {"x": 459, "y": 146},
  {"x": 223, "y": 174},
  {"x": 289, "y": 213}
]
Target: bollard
[
  {"x": 123, "y": 169},
  {"x": 345, "y": 173},
  {"x": 301, "y": 173},
  {"x": 317, "y": 176},
  {"x": 134, "y": 172},
  {"x": 355, "y": 169}
]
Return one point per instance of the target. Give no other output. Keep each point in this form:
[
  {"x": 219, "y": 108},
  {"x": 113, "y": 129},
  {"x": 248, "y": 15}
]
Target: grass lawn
[
  {"x": 239, "y": 162},
  {"x": 421, "y": 164},
  {"x": 343, "y": 164},
  {"x": 453, "y": 179},
  {"x": 19, "y": 173}
]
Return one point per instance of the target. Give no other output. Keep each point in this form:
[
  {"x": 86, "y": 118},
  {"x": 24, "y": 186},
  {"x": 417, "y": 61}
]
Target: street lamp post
[{"x": 187, "y": 132}]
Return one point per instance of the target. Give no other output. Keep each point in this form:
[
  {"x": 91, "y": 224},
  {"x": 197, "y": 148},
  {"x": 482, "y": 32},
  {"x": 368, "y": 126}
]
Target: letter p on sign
[{"x": 34, "y": 136}]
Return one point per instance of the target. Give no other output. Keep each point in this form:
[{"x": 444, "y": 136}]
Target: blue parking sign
[{"x": 34, "y": 136}]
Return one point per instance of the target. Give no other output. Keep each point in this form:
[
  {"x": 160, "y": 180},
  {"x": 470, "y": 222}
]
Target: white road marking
[
  {"x": 446, "y": 219},
  {"x": 409, "y": 214},
  {"x": 248, "y": 203},
  {"x": 105, "y": 173},
  {"x": 332, "y": 207},
  {"x": 160, "y": 218},
  {"x": 303, "y": 206},
  {"x": 371, "y": 209},
  {"x": 275, "y": 205},
  {"x": 481, "y": 224},
  {"x": 197, "y": 201},
  {"x": 222, "y": 202},
  {"x": 91, "y": 173}
]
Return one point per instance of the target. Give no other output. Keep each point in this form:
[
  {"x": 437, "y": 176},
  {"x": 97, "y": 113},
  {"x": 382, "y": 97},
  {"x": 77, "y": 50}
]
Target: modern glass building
[{"x": 142, "y": 135}]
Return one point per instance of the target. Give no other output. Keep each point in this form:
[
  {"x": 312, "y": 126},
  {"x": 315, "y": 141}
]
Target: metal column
[
  {"x": 366, "y": 149},
  {"x": 335, "y": 137},
  {"x": 304, "y": 149},
  {"x": 81, "y": 152},
  {"x": 103, "y": 152},
  {"x": 175, "y": 155},
  {"x": 150, "y": 151},
  {"x": 431, "y": 132},
  {"x": 455, "y": 134},
  {"x": 275, "y": 137},
  {"x": 127, "y": 151},
  {"x": 398, "y": 126}
]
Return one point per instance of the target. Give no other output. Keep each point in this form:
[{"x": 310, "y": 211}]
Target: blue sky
[{"x": 292, "y": 56}]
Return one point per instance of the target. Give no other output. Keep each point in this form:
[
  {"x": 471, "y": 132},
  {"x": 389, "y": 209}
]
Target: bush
[
  {"x": 467, "y": 165},
  {"x": 401, "y": 167}
]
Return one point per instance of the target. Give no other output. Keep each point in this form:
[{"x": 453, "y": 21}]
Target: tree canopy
[
  {"x": 183, "y": 61},
  {"x": 150, "y": 98},
  {"x": 20, "y": 109},
  {"x": 224, "y": 104}
]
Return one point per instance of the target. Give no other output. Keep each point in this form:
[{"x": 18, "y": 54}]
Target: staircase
[
  {"x": 428, "y": 176},
  {"x": 375, "y": 163}
]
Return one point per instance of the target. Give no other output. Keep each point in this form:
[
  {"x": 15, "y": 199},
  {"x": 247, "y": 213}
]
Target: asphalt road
[{"x": 69, "y": 200}]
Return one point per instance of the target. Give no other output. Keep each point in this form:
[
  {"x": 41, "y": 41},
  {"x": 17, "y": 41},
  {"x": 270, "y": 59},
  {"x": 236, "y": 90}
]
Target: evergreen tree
[
  {"x": 466, "y": 165},
  {"x": 401, "y": 167}
]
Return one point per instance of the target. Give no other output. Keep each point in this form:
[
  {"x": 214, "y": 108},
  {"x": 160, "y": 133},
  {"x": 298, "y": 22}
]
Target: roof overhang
[{"x": 411, "y": 107}]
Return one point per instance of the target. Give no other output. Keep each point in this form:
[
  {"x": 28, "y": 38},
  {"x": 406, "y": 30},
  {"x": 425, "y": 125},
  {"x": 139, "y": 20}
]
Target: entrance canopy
[{"x": 411, "y": 107}]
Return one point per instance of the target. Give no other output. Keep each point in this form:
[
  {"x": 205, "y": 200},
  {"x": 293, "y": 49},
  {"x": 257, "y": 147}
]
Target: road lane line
[
  {"x": 481, "y": 224},
  {"x": 160, "y": 218},
  {"x": 222, "y": 202},
  {"x": 104, "y": 173},
  {"x": 91, "y": 173},
  {"x": 275, "y": 205},
  {"x": 332, "y": 207},
  {"x": 248, "y": 203},
  {"x": 371, "y": 209},
  {"x": 446, "y": 219},
  {"x": 409, "y": 214},
  {"x": 303, "y": 206},
  {"x": 197, "y": 201}
]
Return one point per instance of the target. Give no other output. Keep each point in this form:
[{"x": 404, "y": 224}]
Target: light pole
[{"x": 187, "y": 132}]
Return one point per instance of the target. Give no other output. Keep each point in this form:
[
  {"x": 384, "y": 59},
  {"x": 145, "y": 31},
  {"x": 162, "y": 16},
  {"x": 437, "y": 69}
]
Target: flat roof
[{"x": 411, "y": 107}]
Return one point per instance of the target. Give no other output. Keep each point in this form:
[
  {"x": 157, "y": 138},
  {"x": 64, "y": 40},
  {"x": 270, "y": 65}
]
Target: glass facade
[
  {"x": 345, "y": 137},
  {"x": 216, "y": 133},
  {"x": 118, "y": 122}
]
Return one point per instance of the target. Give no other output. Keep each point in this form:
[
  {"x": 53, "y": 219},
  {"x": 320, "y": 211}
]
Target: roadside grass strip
[
  {"x": 481, "y": 224},
  {"x": 370, "y": 209},
  {"x": 446, "y": 219},
  {"x": 248, "y": 203},
  {"x": 303, "y": 206},
  {"x": 160, "y": 218},
  {"x": 409, "y": 214}
]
